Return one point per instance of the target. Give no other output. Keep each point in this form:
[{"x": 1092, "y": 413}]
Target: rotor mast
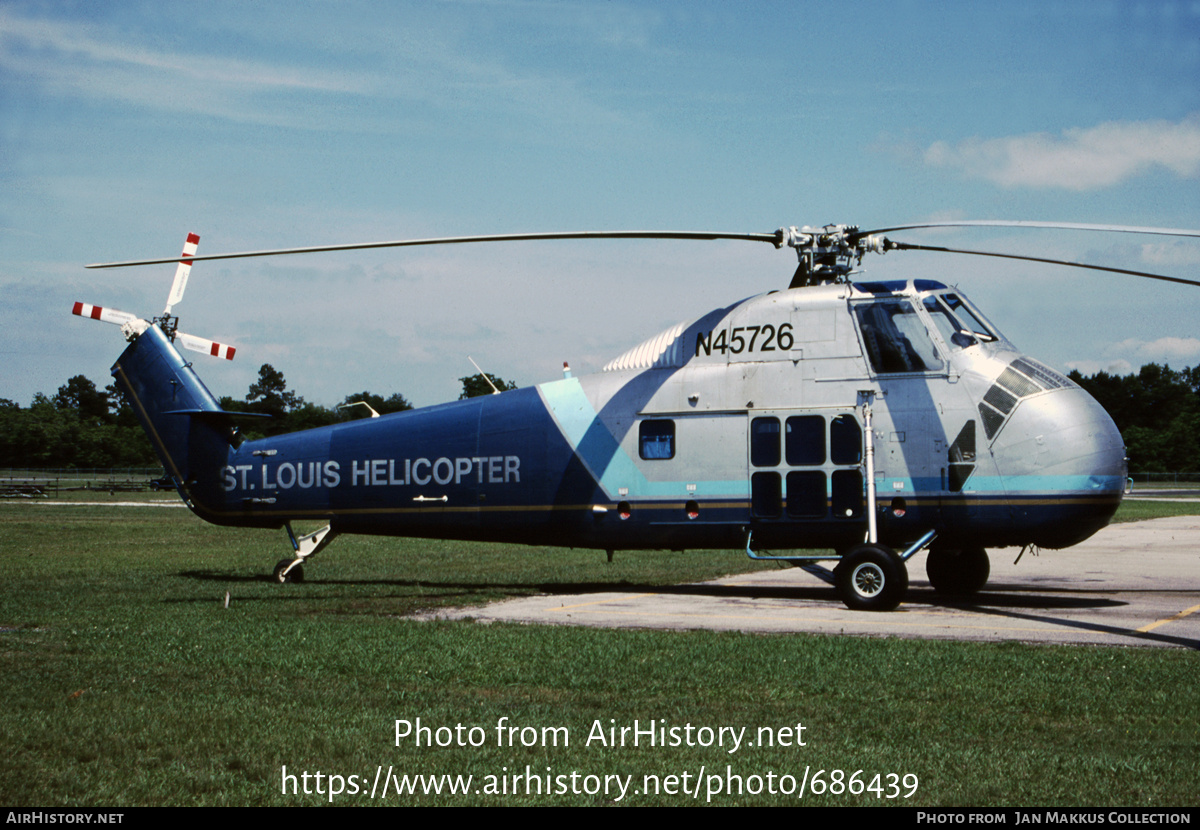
[{"x": 828, "y": 254}]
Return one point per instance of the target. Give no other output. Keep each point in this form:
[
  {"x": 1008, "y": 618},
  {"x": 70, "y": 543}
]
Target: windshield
[
  {"x": 973, "y": 323},
  {"x": 959, "y": 326}
]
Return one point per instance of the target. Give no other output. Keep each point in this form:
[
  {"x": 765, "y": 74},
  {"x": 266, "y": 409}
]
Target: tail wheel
[
  {"x": 296, "y": 574},
  {"x": 871, "y": 578},
  {"x": 957, "y": 572}
]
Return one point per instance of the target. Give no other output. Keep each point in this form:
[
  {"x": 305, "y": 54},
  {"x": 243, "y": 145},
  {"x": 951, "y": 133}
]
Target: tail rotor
[{"x": 132, "y": 325}]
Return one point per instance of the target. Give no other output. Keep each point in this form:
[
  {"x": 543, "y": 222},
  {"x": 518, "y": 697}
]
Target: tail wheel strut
[{"x": 292, "y": 570}]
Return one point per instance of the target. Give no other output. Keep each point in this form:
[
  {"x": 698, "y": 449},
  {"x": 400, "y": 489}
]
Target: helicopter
[{"x": 852, "y": 422}]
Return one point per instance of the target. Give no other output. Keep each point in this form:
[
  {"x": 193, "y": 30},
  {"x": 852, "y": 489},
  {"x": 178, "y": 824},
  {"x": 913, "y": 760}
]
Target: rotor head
[{"x": 830, "y": 253}]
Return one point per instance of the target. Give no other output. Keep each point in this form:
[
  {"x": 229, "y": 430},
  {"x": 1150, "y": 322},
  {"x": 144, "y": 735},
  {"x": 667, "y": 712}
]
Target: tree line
[
  {"x": 83, "y": 427},
  {"x": 1157, "y": 410}
]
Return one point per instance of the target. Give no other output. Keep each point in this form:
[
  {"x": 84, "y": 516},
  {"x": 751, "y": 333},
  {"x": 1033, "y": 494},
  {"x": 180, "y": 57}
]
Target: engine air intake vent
[{"x": 663, "y": 351}]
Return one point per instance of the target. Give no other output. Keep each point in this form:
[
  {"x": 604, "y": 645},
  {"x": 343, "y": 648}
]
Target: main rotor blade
[
  {"x": 772, "y": 237},
  {"x": 1069, "y": 226},
  {"x": 904, "y": 246}
]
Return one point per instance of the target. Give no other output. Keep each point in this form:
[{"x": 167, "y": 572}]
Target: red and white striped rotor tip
[
  {"x": 105, "y": 315},
  {"x": 182, "y": 270},
  {"x": 209, "y": 347}
]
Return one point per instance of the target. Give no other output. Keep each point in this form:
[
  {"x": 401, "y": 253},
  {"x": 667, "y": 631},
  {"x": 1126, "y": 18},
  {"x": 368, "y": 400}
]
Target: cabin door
[{"x": 805, "y": 466}]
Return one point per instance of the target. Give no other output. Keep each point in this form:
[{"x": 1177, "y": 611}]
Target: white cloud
[
  {"x": 41, "y": 44},
  {"x": 1088, "y": 368},
  {"x": 419, "y": 70},
  {"x": 29, "y": 43},
  {"x": 97, "y": 63},
  {"x": 1124, "y": 357},
  {"x": 1166, "y": 254},
  {"x": 1164, "y": 349},
  {"x": 1078, "y": 159}
]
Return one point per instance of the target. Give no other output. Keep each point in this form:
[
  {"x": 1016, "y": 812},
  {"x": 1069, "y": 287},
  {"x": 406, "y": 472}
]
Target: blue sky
[{"x": 123, "y": 126}]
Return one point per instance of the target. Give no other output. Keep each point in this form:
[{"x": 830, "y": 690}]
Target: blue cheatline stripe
[{"x": 603, "y": 456}]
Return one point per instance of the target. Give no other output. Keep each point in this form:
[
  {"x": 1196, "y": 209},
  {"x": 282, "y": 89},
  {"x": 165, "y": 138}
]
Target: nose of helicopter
[{"x": 1063, "y": 464}]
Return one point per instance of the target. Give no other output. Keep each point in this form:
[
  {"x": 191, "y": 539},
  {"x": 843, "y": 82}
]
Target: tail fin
[{"x": 190, "y": 432}]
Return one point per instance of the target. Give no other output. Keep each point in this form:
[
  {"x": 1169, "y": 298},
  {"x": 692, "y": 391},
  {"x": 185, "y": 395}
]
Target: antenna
[
  {"x": 374, "y": 414},
  {"x": 484, "y": 374}
]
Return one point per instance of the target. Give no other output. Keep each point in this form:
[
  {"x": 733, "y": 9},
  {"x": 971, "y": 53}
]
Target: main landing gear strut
[
  {"x": 868, "y": 577},
  {"x": 292, "y": 570},
  {"x": 873, "y": 577}
]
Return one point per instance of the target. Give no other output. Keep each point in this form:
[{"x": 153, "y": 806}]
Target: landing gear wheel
[
  {"x": 296, "y": 574},
  {"x": 871, "y": 578},
  {"x": 957, "y": 572}
]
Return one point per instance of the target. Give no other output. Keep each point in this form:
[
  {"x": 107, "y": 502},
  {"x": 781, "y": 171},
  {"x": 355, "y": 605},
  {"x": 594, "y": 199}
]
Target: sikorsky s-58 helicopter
[{"x": 860, "y": 422}]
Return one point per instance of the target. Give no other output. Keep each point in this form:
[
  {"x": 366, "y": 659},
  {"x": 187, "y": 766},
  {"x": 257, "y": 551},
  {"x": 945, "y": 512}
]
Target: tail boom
[{"x": 189, "y": 431}]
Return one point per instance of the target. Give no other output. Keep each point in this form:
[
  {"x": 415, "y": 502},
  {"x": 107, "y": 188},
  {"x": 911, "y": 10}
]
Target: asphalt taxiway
[{"x": 1132, "y": 584}]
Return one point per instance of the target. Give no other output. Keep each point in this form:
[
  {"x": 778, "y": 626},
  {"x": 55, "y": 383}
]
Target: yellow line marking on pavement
[{"x": 1178, "y": 616}]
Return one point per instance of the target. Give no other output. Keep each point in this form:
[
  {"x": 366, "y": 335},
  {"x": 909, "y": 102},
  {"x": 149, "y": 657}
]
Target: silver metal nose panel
[
  {"x": 1063, "y": 465},
  {"x": 1064, "y": 439}
]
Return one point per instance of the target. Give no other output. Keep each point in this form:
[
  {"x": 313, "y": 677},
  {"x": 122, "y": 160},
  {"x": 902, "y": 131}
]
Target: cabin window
[
  {"x": 813, "y": 447},
  {"x": 656, "y": 440},
  {"x": 804, "y": 441},
  {"x": 806, "y": 496},
  {"x": 895, "y": 337},
  {"x": 845, "y": 440},
  {"x": 847, "y": 496},
  {"x": 766, "y": 495},
  {"x": 764, "y": 442}
]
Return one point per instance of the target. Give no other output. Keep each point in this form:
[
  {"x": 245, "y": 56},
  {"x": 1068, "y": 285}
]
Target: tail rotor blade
[
  {"x": 104, "y": 315},
  {"x": 209, "y": 347},
  {"x": 181, "y": 273}
]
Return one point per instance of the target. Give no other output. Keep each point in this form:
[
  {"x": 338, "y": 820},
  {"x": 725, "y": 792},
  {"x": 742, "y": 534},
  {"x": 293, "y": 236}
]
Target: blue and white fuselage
[{"x": 748, "y": 420}]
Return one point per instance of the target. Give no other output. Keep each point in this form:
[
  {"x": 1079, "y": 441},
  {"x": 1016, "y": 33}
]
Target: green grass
[
  {"x": 128, "y": 681},
  {"x": 1136, "y": 511}
]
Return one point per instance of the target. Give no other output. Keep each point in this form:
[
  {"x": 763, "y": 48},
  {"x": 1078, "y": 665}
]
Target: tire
[
  {"x": 296, "y": 574},
  {"x": 956, "y": 572},
  {"x": 871, "y": 578}
]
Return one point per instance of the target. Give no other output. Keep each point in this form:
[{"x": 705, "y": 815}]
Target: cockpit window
[
  {"x": 895, "y": 337},
  {"x": 953, "y": 332},
  {"x": 969, "y": 318}
]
